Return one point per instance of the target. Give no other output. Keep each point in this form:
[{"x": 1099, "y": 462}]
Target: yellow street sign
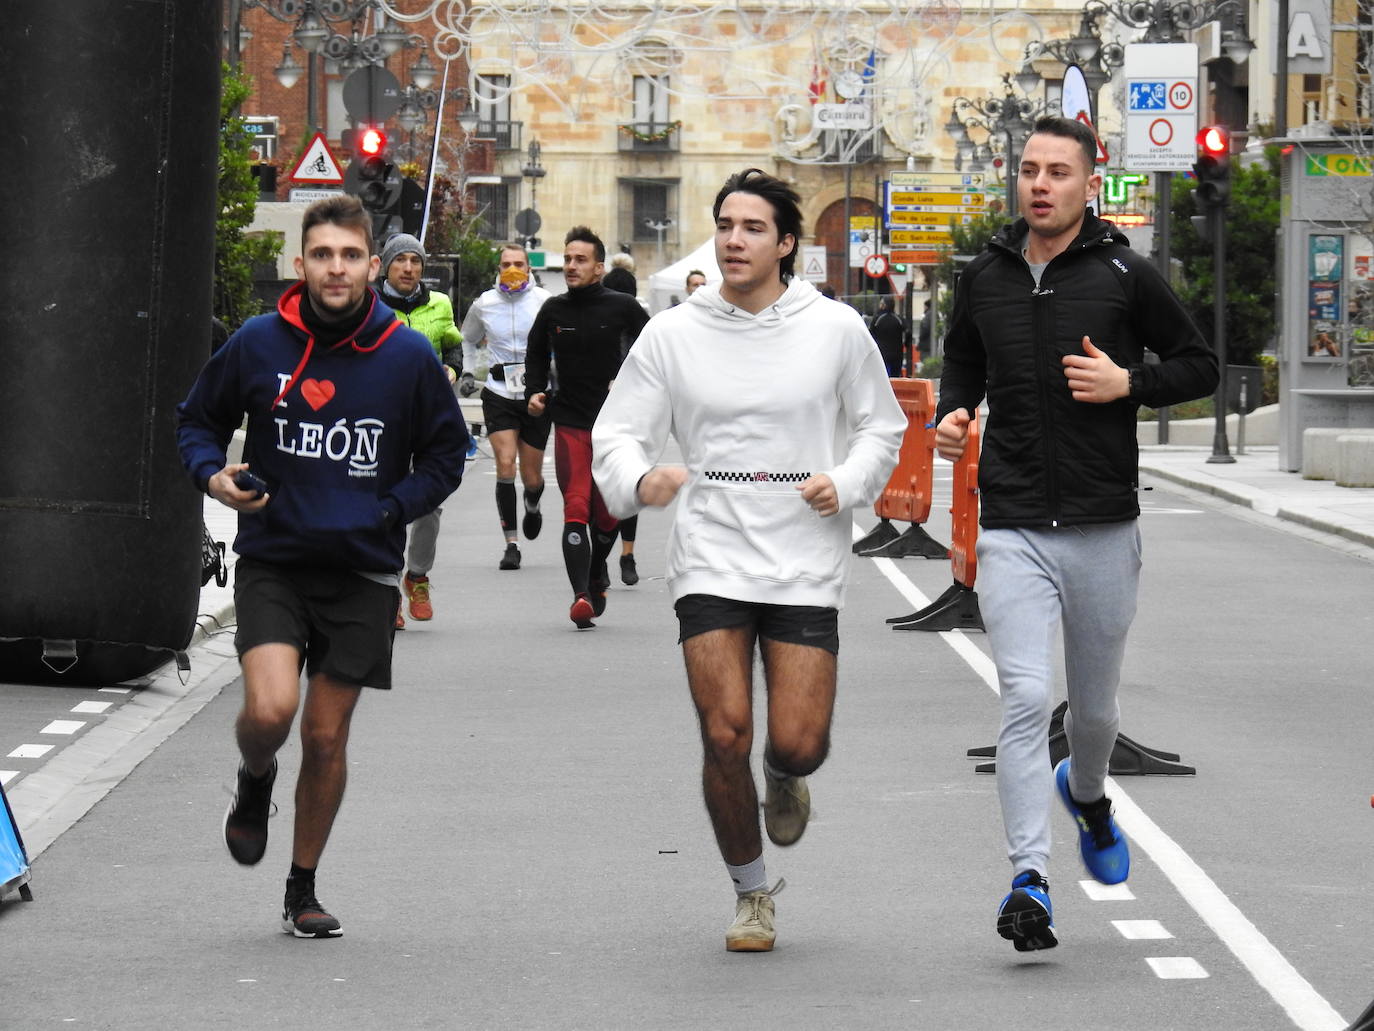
[
  {"x": 917, "y": 237},
  {"x": 916, "y": 219},
  {"x": 964, "y": 198}
]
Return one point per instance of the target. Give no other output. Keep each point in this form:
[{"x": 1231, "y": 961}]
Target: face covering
[{"x": 513, "y": 279}]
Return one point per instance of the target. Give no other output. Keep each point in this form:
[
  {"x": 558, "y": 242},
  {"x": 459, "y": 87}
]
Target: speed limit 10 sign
[{"x": 875, "y": 266}]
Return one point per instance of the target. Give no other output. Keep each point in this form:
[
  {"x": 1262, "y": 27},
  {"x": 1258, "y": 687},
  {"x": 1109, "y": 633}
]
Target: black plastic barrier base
[
  {"x": 1129, "y": 758},
  {"x": 914, "y": 542},
  {"x": 956, "y": 609},
  {"x": 1365, "y": 1021},
  {"x": 879, "y": 535}
]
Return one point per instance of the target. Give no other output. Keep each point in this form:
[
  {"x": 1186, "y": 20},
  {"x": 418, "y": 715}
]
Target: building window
[
  {"x": 492, "y": 95},
  {"x": 649, "y": 211},
  {"x": 650, "y": 130},
  {"x": 491, "y": 210}
]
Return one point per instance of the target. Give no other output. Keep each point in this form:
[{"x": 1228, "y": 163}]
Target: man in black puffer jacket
[{"x": 1050, "y": 323}]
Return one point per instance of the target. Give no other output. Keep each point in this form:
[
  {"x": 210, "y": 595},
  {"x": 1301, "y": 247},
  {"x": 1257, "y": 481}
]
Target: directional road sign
[
  {"x": 918, "y": 237},
  {"x": 921, "y": 180},
  {"x": 919, "y": 256}
]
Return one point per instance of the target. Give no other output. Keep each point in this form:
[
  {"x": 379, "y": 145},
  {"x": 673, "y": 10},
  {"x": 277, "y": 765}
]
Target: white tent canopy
[{"x": 672, "y": 281}]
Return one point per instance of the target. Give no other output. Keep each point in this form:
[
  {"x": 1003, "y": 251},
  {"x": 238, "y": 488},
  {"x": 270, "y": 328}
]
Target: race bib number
[{"x": 515, "y": 376}]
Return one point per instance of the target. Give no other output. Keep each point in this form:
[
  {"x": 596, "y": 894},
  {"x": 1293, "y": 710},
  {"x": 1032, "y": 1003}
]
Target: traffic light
[
  {"x": 373, "y": 178},
  {"x": 1213, "y": 167}
]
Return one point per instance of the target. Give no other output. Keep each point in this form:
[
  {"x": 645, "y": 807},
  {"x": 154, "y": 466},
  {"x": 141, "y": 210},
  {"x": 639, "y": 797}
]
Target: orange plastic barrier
[
  {"x": 908, "y": 490},
  {"x": 964, "y": 511}
]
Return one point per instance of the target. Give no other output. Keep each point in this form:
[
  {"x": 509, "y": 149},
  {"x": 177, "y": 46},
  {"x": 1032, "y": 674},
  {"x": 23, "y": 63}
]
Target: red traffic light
[
  {"x": 371, "y": 142},
  {"x": 1214, "y": 141}
]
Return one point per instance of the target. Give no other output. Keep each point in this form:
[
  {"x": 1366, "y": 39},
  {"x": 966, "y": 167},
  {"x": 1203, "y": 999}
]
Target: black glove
[{"x": 467, "y": 385}]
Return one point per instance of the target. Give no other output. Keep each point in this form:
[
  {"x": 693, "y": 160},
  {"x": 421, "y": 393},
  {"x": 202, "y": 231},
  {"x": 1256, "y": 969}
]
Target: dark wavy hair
[
  {"x": 581, "y": 234},
  {"x": 1070, "y": 128},
  {"x": 784, "y": 200}
]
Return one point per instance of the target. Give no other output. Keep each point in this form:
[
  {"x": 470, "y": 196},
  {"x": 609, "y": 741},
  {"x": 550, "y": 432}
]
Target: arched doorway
[{"x": 833, "y": 234}]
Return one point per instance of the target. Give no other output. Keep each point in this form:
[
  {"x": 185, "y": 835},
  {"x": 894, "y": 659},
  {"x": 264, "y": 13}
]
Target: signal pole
[{"x": 1213, "y": 171}]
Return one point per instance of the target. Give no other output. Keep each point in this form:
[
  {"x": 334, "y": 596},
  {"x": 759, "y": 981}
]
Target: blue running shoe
[
  {"x": 1100, "y": 842},
  {"x": 472, "y": 447},
  {"x": 1025, "y": 917}
]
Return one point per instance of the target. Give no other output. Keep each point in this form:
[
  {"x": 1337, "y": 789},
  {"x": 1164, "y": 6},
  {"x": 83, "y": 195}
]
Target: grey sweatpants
[
  {"x": 1031, "y": 584},
  {"x": 424, "y": 540}
]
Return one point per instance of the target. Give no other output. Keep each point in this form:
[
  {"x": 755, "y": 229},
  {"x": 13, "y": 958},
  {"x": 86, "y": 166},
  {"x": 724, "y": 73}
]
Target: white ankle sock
[{"x": 749, "y": 877}]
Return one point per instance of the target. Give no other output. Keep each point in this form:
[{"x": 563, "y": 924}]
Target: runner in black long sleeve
[{"x": 575, "y": 348}]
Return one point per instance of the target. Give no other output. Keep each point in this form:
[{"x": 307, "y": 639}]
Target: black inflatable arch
[{"x": 112, "y": 115}]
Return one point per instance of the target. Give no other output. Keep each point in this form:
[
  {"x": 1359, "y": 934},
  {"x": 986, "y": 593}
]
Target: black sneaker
[
  {"x": 601, "y": 581},
  {"x": 245, "y": 824},
  {"x": 629, "y": 575},
  {"x": 511, "y": 559},
  {"x": 532, "y": 523},
  {"x": 303, "y": 916}
]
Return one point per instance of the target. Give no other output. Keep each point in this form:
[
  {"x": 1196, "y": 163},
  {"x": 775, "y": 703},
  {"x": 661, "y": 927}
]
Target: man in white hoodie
[{"x": 757, "y": 378}]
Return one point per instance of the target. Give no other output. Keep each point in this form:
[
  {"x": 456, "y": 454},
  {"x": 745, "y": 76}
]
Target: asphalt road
[{"x": 523, "y": 843}]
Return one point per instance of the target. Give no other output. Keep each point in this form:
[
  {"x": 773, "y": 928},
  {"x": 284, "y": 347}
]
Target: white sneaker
[{"x": 753, "y": 929}]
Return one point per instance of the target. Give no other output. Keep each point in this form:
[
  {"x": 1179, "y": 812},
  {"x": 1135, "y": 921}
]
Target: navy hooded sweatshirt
[{"x": 354, "y": 440}]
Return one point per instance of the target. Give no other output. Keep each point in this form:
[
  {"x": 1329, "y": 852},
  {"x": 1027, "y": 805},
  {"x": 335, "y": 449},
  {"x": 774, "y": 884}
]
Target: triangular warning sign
[
  {"x": 814, "y": 268},
  {"x": 317, "y": 164},
  {"x": 1082, "y": 116}
]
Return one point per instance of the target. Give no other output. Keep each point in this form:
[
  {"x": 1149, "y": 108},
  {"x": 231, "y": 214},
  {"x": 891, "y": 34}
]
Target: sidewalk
[{"x": 1255, "y": 481}]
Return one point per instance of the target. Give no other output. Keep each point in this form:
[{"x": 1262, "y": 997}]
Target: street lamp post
[
  {"x": 315, "y": 33},
  {"x": 659, "y": 226},
  {"x": 1008, "y": 118},
  {"x": 533, "y": 171}
]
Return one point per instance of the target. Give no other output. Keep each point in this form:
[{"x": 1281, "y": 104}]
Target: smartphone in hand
[{"x": 245, "y": 480}]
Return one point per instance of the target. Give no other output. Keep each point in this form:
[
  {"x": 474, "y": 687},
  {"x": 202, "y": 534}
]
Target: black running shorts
[
  {"x": 502, "y": 413},
  {"x": 342, "y": 623},
  {"x": 811, "y": 625}
]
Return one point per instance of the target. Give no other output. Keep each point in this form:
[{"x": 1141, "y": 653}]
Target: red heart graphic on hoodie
[{"x": 317, "y": 392}]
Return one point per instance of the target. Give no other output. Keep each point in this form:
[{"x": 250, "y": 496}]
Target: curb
[{"x": 1238, "y": 497}]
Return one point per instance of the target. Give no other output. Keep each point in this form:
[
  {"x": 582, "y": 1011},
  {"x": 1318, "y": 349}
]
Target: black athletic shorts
[
  {"x": 502, "y": 413},
  {"x": 342, "y": 623},
  {"x": 812, "y": 625}
]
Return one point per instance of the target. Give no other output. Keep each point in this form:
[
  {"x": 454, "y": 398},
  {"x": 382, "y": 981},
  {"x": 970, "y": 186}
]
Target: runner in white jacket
[
  {"x": 782, "y": 407},
  {"x": 501, "y": 317}
]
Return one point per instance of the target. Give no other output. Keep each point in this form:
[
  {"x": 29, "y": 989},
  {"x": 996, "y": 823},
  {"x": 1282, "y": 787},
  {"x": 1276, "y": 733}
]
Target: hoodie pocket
[
  {"x": 302, "y": 509},
  {"x": 771, "y": 535}
]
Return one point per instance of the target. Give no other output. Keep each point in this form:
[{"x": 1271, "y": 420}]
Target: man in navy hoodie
[{"x": 352, "y": 432}]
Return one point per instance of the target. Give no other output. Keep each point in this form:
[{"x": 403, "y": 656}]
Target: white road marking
[
  {"x": 63, "y": 727},
  {"x": 1099, "y": 892},
  {"x": 115, "y": 690},
  {"x": 1175, "y": 967},
  {"x": 95, "y": 708},
  {"x": 1307, "y": 1009},
  {"x": 1141, "y": 930},
  {"x": 30, "y": 752},
  {"x": 7, "y": 775}
]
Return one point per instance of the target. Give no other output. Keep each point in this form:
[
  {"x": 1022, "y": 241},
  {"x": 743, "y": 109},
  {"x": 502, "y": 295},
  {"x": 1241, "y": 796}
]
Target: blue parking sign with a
[{"x": 1147, "y": 96}]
